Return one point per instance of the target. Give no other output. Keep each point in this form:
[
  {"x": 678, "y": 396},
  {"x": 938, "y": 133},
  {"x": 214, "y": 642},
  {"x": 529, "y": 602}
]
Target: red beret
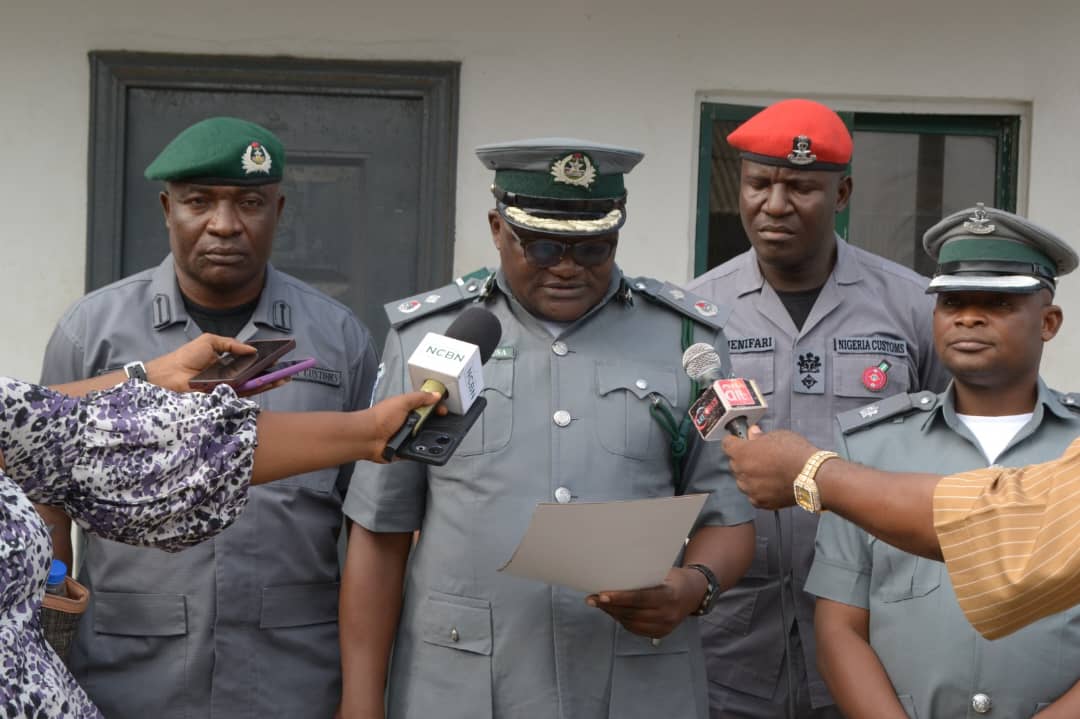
[{"x": 802, "y": 134}]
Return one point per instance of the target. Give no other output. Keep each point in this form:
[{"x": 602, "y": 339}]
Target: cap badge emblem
[
  {"x": 979, "y": 223},
  {"x": 705, "y": 309},
  {"x": 409, "y": 306},
  {"x": 800, "y": 151},
  {"x": 256, "y": 159},
  {"x": 574, "y": 169},
  {"x": 875, "y": 378}
]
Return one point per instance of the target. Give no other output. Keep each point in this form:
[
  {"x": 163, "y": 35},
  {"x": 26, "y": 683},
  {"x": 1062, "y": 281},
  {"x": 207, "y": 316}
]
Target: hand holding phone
[
  {"x": 236, "y": 370},
  {"x": 278, "y": 371}
]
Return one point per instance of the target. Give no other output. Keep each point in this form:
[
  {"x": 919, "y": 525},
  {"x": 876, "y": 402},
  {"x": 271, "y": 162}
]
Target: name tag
[
  {"x": 503, "y": 353},
  {"x": 870, "y": 345},
  {"x": 331, "y": 377},
  {"x": 750, "y": 344}
]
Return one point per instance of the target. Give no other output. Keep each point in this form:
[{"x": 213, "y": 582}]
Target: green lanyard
[{"x": 677, "y": 430}]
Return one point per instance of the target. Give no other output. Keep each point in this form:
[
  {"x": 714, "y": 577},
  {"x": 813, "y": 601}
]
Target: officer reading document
[{"x": 586, "y": 401}]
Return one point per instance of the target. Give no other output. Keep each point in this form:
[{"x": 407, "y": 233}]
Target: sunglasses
[{"x": 544, "y": 252}]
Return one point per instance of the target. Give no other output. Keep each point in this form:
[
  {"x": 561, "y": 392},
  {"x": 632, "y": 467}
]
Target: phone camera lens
[
  {"x": 421, "y": 448},
  {"x": 434, "y": 450},
  {"x": 442, "y": 439}
]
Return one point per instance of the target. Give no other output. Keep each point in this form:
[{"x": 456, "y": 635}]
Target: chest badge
[
  {"x": 705, "y": 309},
  {"x": 409, "y": 306},
  {"x": 875, "y": 378}
]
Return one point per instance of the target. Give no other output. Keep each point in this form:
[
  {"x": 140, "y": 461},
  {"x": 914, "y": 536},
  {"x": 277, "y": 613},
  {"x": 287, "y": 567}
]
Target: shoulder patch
[
  {"x": 1070, "y": 399},
  {"x": 898, "y": 404},
  {"x": 464, "y": 289},
  {"x": 682, "y": 301}
]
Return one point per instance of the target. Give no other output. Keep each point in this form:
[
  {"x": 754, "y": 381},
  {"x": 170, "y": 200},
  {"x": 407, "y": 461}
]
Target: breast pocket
[
  {"x": 902, "y": 576},
  {"x": 644, "y": 670},
  {"x": 850, "y": 377},
  {"x": 625, "y": 392},
  {"x": 757, "y": 366},
  {"x": 496, "y": 424}
]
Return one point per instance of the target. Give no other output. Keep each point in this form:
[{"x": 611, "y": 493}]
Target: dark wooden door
[{"x": 369, "y": 180}]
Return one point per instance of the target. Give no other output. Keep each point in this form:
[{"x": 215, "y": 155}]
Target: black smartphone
[
  {"x": 440, "y": 436},
  {"x": 235, "y": 370}
]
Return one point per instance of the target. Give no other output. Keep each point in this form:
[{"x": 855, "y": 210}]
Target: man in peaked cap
[
  {"x": 892, "y": 639},
  {"x": 245, "y": 623},
  {"x": 585, "y": 395},
  {"x": 823, "y": 327}
]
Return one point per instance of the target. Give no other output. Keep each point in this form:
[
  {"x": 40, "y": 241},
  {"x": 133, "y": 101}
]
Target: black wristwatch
[
  {"x": 135, "y": 370},
  {"x": 712, "y": 590}
]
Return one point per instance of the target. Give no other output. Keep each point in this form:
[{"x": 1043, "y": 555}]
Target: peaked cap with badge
[
  {"x": 221, "y": 151},
  {"x": 560, "y": 186},
  {"x": 800, "y": 134},
  {"x": 984, "y": 249}
]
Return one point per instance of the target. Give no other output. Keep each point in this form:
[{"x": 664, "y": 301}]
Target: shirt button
[
  {"x": 981, "y": 703},
  {"x": 641, "y": 384},
  {"x": 655, "y": 641},
  {"x": 561, "y": 418},
  {"x": 454, "y": 636},
  {"x": 563, "y": 496},
  {"x": 560, "y": 348}
]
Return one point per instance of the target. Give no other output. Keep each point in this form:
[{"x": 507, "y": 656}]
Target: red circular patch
[{"x": 874, "y": 379}]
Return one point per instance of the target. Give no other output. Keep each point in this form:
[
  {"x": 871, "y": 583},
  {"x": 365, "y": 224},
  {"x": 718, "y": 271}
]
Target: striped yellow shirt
[{"x": 1011, "y": 541}]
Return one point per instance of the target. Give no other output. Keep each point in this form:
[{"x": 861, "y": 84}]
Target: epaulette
[
  {"x": 466, "y": 288},
  {"x": 898, "y": 404},
  {"x": 686, "y": 303},
  {"x": 1070, "y": 400}
]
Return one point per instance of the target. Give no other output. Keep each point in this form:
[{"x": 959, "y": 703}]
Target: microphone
[
  {"x": 450, "y": 365},
  {"x": 728, "y": 403}
]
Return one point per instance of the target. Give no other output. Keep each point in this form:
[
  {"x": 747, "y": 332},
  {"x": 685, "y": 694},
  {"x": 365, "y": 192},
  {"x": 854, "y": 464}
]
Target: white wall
[{"x": 620, "y": 71}]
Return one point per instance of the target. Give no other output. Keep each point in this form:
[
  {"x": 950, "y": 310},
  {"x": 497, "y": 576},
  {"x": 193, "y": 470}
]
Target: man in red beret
[{"x": 823, "y": 327}]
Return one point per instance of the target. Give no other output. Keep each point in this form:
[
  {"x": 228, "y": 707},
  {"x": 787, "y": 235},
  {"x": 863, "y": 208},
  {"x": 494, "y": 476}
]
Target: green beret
[
  {"x": 560, "y": 185},
  {"x": 221, "y": 151},
  {"x": 990, "y": 250}
]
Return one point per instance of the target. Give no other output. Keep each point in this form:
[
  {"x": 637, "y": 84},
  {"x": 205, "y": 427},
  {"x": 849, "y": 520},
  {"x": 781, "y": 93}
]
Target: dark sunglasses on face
[{"x": 545, "y": 252}]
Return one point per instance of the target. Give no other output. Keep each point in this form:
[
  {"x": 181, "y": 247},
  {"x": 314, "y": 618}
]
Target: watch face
[{"x": 804, "y": 497}]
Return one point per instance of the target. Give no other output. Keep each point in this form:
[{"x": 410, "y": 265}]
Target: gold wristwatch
[{"x": 807, "y": 495}]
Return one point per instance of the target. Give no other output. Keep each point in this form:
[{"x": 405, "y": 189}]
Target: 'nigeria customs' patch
[
  {"x": 331, "y": 377},
  {"x": 575, "y": 169},
  {"x": 809, "y": 373},
  {"x": 256, "y": 159},
  {"x": 870, "y": 346}
]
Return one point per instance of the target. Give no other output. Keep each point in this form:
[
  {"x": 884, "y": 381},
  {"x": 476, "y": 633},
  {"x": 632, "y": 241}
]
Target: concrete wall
[{"x": 621, "y": 71}]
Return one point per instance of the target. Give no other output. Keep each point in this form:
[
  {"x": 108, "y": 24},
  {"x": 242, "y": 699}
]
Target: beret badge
[
  {"x": 800, "y": 151},
  {"x": 256, "y": 159}
]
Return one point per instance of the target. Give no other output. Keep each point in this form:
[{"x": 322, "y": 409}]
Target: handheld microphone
[
  {"x": 728, "y": 403},
  {"x": 450, "y": 365}
]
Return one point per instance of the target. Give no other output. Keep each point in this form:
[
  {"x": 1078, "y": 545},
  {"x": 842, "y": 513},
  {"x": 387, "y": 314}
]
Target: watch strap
[
  {"x": 712, "y": 590},
  {"x": 806, "y": 489},
  {"x": 135, "y": 370}
]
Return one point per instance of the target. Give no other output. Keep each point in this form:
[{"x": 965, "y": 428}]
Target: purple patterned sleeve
[{"x": 136, "y": 463}]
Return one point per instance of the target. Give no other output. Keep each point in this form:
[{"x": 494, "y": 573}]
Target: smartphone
[
  {"x": 278, "y": 371},
  {"x": 235, "y": 370},
  {"x": 440, "y": 436}
]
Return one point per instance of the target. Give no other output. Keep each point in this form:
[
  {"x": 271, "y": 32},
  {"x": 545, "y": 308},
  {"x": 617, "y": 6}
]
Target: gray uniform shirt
[
  {"x": 870, "y": 310},
  {"x": 935, "y": 660},
  {"x": 245, "y": 624},
  {"x": 473, "y": 643}
]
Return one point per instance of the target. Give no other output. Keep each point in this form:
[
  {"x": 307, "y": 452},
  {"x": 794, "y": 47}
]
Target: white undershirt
[{"x": 994, "y": 433}]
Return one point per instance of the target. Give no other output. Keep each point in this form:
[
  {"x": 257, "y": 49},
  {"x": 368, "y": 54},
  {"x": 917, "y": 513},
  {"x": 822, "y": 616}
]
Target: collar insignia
[
  {"x": 256, "y": 159},
  {"x": 574, "y": 169},
  {"x": 800, "y": 151}
]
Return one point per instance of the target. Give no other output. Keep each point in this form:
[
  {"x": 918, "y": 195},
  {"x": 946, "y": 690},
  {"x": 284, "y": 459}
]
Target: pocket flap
[
  {"x": 628, "y": 644},
  {"x": 457, "y": 622},
  {"x": 757, "y": 366},
  {"x": 299, "y": 605},
  {"x": 499, "y": 376},
  {"x": 140, "y": 615},
  {"x": 641, "y": 380}
]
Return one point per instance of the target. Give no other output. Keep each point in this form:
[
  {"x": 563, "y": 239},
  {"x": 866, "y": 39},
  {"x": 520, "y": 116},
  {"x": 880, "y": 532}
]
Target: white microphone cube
[{"x": 454, "y": 363}]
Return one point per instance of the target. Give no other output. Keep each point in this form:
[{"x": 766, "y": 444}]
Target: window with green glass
[{"x": 909, "y": 171}]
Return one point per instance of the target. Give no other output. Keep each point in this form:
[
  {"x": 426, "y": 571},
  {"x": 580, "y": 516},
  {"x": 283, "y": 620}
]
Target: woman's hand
[
  {"x": 390, "y": 414},
  {"x": 174, "y": 370}
]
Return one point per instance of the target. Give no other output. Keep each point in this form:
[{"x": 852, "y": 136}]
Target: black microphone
[
  {"x": 728, "y": 403},
  {"x": 450, "y": 365}
]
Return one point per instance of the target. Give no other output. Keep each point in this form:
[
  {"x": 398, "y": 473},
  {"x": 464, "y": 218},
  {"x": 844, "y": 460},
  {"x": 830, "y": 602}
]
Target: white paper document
[{"x": 593, "y": 546}]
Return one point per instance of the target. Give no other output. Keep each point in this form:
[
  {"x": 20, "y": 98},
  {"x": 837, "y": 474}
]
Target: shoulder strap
[
  {"x": 464, "y": 289},
  {"x": 899, "y": 404},
  {"x": 685, "y": 303}
]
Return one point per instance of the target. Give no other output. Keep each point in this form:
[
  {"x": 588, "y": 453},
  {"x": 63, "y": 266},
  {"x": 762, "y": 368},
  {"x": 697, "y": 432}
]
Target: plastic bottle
[{"x": 55, "y": 583}]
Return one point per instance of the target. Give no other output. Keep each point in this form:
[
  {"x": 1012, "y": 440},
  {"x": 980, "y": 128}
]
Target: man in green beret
[
  {"x": 244, "y": 624},
  {"x": 586, "y": 401}
]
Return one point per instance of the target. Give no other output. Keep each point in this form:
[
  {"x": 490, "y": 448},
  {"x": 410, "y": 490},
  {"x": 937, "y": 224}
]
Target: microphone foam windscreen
[
  {"x": 479, "y": 327},
  {"x": 700, "y": 359}
]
